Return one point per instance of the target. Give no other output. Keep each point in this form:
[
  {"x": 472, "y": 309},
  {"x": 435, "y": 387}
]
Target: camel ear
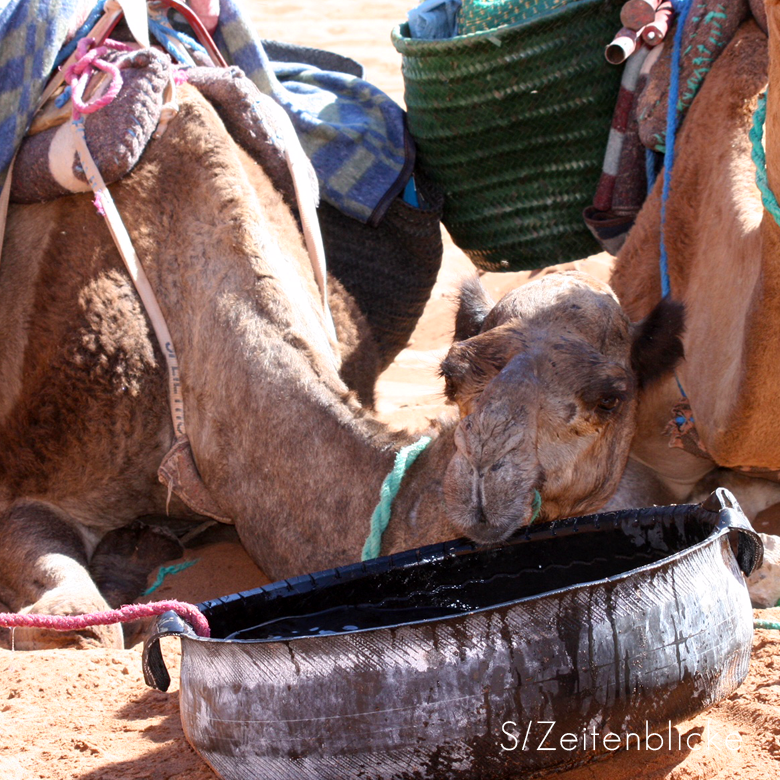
[
  {"x": 657, "y": 347},
  {"x": 474, "y": 304}
]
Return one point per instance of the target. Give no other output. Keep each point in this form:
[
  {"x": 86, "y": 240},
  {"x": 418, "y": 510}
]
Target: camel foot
[{"x": 60, "y": 601}]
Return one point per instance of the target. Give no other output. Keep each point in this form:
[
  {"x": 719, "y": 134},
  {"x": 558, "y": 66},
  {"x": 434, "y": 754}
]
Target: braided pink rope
[
  {"x": 124, "y": 614},
  {"x": 80, "y": 72}
]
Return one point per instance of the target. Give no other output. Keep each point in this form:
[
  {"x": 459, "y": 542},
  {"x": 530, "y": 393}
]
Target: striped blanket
[{"x": 353, "y": 133}]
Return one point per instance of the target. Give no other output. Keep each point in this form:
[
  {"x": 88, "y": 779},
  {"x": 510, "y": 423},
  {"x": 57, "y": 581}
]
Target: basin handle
[{"x": 155, "y": 672}]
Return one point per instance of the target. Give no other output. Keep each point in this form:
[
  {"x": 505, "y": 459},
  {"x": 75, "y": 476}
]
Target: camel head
[{"x": 546, "y": 383}]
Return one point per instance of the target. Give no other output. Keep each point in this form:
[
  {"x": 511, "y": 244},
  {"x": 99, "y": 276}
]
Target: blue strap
[
  {"x": 164, "y": 33},
  {"x": 682, "y": 7}
]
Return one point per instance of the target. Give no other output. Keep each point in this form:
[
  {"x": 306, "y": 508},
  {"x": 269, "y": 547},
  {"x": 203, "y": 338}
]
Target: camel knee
[
  {"x": 39, "y": 550},
  {"x": 43, "y": 569}
]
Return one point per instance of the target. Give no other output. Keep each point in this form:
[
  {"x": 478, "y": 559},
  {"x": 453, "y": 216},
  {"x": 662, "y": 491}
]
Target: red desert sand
[{"x": 88, "y": 714}]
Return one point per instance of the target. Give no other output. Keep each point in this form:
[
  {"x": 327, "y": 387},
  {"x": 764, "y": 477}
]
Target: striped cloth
[
  {"x": 354, "y": 134},
  {"x": 623, "y": 182},
  {"x": 620, "y": 133}
]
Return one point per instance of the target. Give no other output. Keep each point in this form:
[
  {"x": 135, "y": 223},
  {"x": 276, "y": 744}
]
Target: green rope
[
  {"x": 381, "y": 516},
  {"x": 770, "y": 624},
  {"x": 165, "y": 571},
  {"x": 759, "y": 159},
  {"x": 537, "y": 507}
]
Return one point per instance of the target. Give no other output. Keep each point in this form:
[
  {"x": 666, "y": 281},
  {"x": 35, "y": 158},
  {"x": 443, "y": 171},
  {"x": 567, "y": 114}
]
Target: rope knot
[{"x": 80, "y": 72}]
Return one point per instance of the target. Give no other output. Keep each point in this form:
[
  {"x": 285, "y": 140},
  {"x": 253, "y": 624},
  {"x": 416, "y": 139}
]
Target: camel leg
[
  {"x": 43, "y": 569},
  {"x": 753, "y": 494}
]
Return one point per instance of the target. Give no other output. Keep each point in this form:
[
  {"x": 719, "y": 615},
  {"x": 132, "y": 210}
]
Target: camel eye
[{"x": 608, "y": 403}]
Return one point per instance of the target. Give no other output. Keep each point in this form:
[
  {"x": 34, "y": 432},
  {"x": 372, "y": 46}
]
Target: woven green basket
[{"x": 512, "y": 124}]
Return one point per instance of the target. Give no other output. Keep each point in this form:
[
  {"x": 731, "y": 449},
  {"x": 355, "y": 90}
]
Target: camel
[
  {"x": 723, "y": 248},
  {"x": 283, "y": 447}
]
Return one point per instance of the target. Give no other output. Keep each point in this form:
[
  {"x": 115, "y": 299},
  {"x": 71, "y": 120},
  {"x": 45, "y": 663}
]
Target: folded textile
[
  {"x": 434, "y": 19},
  {"x": 710, "y": 25}
]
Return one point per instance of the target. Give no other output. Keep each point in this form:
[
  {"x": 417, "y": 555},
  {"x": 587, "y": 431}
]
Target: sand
[{"x": 88, "y": 714}]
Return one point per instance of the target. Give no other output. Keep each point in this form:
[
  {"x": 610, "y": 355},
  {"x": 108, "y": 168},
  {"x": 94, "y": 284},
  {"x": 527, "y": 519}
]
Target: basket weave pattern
[
  {"x": 476, "y": 15},
  {"x": 512, "y": 124}
]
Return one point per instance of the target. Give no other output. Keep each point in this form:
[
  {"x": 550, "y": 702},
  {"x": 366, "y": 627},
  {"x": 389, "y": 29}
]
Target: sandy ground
[{"x": 88, "y": 714}]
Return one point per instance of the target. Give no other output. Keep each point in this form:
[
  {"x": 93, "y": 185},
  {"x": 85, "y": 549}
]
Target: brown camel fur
[
  {"x": 282, "y": 446},
  {"x": 723, "y": 252}
]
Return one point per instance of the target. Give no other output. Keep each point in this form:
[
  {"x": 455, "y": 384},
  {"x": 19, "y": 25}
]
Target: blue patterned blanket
[{"x": 353, "y": 133}]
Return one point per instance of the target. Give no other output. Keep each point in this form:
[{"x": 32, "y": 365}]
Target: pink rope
[
  {"x": 124, "y": 614},
  {"x": 80, "y": 72},
  {"x": 180, "y": 76}
]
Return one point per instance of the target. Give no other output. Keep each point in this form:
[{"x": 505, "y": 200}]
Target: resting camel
[
  {"x": 283, "y": 448},
  {"x": 724, "y": 265}
]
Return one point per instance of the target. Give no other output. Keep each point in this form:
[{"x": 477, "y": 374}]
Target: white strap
[
  {"x": 137, "y": 18},
  {"x": 298, "y": 164},
  {"x": 125, "y": 246},
  {"x": 5, "y": 197}
]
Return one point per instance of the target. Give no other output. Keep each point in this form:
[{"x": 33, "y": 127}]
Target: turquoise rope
[
  {"x": 381, "y": 516},
  {"x": 769, "y": 624},
  {"x": 759, "y": 158},
  {"x": 165, "y": 571}
]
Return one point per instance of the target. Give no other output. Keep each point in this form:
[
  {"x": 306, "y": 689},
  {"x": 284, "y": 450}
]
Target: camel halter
[{"x": 387, "y": 493}]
